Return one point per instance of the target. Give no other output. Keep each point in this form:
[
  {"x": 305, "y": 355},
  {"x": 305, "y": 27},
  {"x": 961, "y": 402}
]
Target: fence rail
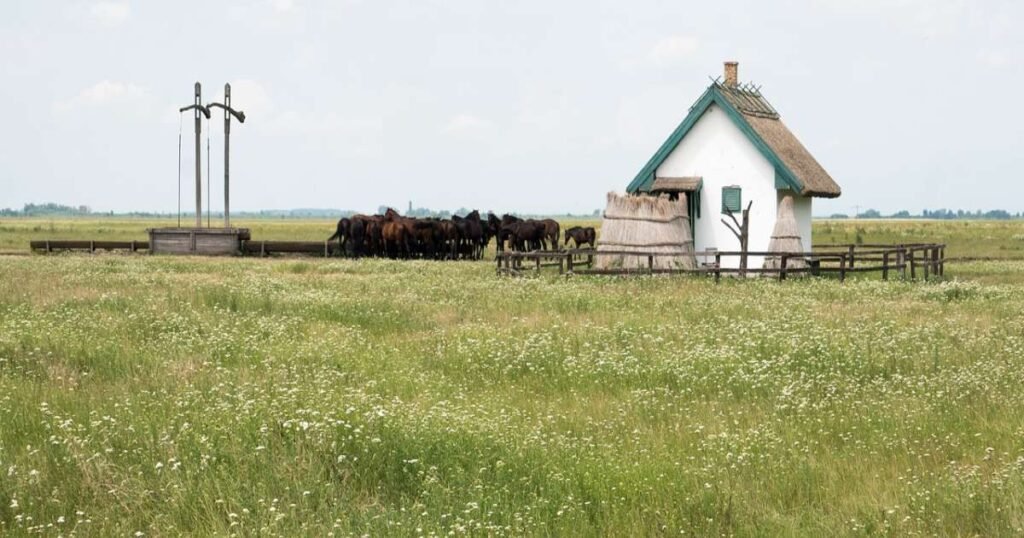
[
  {"x": 927, "y": 258},
  {"x": 88, "y": 245}
]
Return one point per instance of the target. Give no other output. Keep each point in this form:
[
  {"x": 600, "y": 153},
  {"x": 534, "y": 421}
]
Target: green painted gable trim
[
  {"x": 784, "y": 177},
  {"x": 643, "y": 181},
  {"x": 780, "y": 182}
]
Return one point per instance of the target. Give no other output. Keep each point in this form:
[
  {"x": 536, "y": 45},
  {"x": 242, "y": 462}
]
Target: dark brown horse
[
  {"x": 342, "y": 233},
  {"x": 396, "y": 234},
  {"x": 551, "y": 232},
  {"x": 492, "y": 226},
  {"x": 581, "y": 236},
  {"x": 526, "y": 235},
  {"x": 474, "y": 230}
]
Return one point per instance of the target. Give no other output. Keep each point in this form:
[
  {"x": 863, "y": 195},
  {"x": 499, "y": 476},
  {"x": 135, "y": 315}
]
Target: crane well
[{"x": 198, "y": 239}]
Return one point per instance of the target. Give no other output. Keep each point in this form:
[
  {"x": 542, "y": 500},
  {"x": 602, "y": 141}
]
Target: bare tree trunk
[{"x": 742, "y": 232}]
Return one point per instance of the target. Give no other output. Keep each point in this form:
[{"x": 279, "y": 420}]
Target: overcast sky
[{"x": 535, "y": 106}]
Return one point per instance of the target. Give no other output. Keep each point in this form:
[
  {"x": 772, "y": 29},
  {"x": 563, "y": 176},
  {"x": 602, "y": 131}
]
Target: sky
[{"x": 529, "y": 106}]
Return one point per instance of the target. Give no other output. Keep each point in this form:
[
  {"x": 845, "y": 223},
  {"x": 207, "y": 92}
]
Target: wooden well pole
[
  {"x": 200, "y": 111},
  {"x": 240, "y": 116},
  {"x": 199, "y": 171}
]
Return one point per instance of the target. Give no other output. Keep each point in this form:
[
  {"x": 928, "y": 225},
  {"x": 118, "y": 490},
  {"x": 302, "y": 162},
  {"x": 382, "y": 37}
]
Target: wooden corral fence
[{"x": 905, "y": 260}]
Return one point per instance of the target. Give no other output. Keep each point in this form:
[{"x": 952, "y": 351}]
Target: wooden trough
[{"x": 202, "y": 241}]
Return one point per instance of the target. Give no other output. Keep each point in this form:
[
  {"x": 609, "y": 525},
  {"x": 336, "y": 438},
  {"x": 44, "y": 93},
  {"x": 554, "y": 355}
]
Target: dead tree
[{"x": 741, "y": 231}]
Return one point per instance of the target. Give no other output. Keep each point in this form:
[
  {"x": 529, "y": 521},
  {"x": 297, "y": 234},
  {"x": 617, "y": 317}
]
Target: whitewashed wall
[
  {"x": 717, "y": 150},
  {"x": 802, "y": 210}
]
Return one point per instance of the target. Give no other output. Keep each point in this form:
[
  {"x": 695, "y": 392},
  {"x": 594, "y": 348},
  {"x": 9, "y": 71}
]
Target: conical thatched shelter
[
  {"x": 785, "y": 238},
  {"x": 645, "y": 224}
]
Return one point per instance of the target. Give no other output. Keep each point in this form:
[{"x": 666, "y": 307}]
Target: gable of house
[{"x": 795, "y": 168}]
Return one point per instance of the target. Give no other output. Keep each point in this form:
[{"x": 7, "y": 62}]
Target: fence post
[
  {"x": 92, "y": 246},
  {"x": 935, "y": 260},
  {"x": 913, "y": 264},
  {"x": 842, "y": 267},
  {"x": 561, "y": 264},
  {"x": 650, "y": 264},
  {"x": 942, "y": 260},
  {"x": 901, "y": 259},
  {"x": 568, "y": 263},
  {"x": 537, "y": 262},
  {"x": 885, "y": 265},
  {"x": 718, "y": 267},
  {"x": 782, "y": 267},
  {"x": 927, "y": 256},
  {"x": 48, "y": 249},
  {"x": 851, "y": 255}
]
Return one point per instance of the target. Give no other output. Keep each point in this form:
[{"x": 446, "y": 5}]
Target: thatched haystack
[
  {"x": 645, "y": 224},
  {"x": 785, "y": 238}
]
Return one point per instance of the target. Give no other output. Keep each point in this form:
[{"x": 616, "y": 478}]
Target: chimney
[{"x": 731, "y": 74}]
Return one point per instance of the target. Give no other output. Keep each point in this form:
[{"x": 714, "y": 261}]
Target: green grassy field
[
  {"x": 291, "y": 396},
  {"x": 1002, "y": 239}
]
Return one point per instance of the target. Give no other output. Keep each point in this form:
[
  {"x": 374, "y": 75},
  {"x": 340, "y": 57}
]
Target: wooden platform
[{"x": 201, "y": 241}]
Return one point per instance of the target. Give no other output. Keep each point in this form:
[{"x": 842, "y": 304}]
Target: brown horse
[
  {"x": 526, "y": 235},
  {"x": 551, "y": 232},
  {"x": 342, "y": 233},
  {"x": 581, "y": 236},
  {"x": 395, "y": 232}
]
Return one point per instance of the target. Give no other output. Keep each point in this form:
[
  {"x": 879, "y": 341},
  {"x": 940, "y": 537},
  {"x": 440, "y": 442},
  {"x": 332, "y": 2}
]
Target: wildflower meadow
[{"x": 156, "y": 396}]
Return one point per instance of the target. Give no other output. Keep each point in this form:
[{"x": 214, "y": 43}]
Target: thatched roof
[
  {"x": 761, "y": 123},
  {"x": 785, "y": 237},
  {"x": 645, "y": 224},
  {"x": 676, "y": 184}
]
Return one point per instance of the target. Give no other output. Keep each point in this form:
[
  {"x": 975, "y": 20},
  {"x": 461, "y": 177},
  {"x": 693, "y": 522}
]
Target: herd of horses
[{"x": 394, "y": 236}]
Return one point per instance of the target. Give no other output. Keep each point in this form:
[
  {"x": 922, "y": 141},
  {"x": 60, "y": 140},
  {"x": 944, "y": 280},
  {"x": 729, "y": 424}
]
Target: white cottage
[{"x": 732, "y": 149}]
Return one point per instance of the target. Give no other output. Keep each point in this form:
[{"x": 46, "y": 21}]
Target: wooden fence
[
  {"x": 926, "y": 259},
  {"x": 87, "y": 245}
]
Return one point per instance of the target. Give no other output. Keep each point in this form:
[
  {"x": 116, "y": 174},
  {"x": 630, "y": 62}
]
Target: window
[{"x": 731, "y": 199}]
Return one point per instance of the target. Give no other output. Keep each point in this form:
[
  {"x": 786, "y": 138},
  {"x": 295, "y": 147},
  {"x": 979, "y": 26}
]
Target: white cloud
[
  {"x": 465, "y": 123},
  {"x": 110, "y": 13},
  {"x": 674, "y": 48},
  {"x": 282, "y": 5},
  {"x": 993, "y": 58},
  {"x": 102, "y": 94}
]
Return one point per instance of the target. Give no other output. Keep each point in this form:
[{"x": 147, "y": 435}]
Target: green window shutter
[{"x": 731, "y": 200}]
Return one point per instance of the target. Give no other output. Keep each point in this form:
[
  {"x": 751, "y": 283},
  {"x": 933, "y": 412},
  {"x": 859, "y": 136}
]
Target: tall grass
[{"x": 195, "y": 396}]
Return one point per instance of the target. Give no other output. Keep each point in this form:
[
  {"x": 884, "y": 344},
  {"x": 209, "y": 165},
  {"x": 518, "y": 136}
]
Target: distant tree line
[
  {"x": 941, "y": 214},
  {"x": 37, "y": 210},
  {"x": 60, "y": 210}
]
